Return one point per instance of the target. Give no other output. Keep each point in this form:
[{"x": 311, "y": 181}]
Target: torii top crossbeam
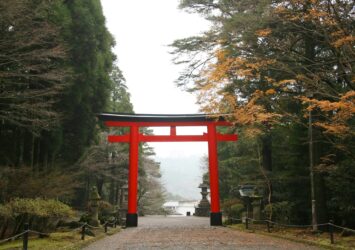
[
  {"x": 158, "y": 120},
  {"x": 134, "y": 137},
  {"x": 163, "y": 119}
]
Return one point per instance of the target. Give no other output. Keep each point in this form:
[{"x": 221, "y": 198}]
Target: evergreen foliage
[
  {"x": 91, "y": 60},
  {"x": 57, "y": 72},
  {"x": 278, "y": 66}
]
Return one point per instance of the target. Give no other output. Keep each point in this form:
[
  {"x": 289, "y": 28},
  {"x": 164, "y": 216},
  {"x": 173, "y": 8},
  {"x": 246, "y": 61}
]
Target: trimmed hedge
[{"x": 42, "y": 215}]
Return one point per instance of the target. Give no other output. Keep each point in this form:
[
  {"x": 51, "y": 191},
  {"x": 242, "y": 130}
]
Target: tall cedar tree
[
  {"x": 55, "y": 70},
  {"x": 33, "y": 76},
  {"x": 91, "y": 60}
]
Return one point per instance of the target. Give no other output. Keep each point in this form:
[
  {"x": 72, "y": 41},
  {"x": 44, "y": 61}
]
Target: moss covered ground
[
  {"x": 59, "y": 240},
  {"x": 320, "y": 239}
]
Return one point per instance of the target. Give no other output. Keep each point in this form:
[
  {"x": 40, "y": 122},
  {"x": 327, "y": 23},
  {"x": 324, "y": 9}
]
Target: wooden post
[
  {"x": 25, "y": 236},
  {"x": 106, "y": 227},
  {"x": 268, "y": 226},
  {"x": 246, "y": 223}
]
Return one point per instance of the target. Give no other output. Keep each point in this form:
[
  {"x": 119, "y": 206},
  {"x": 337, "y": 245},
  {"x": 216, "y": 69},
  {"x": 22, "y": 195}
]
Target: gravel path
[{"x": 157, "y": 232}]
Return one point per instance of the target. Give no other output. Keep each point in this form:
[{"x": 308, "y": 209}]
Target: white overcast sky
[{"x": 143, "y": 30}]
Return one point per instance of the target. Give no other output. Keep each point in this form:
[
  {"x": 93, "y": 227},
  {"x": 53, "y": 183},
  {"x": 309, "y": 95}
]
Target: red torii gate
[{"x": 134, "y": 137}]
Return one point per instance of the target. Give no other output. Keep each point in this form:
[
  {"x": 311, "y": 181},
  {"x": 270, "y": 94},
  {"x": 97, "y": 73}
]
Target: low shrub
[
  {"x": 233, "y": 209},
  {"x": 106, "y": 211},
  {"x": 279, "y": 211},
  {"x": 236, "y": 210},
  {"x": 41, "y": 214}
]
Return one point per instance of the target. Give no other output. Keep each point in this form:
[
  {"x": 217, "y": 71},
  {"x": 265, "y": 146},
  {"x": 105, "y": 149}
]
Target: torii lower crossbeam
[{"x": 134, "y": 137}]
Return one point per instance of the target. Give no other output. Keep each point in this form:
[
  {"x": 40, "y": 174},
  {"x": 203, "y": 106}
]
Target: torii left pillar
[{"x": 132, "y": 216}]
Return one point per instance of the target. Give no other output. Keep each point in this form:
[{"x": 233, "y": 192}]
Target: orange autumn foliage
[
  {"x": 214, "y": 99},
  {"x": 309, "y": 53},
  {"x": 270, "y": 92},
  {"x": 338, "y": 113},
  {"x": 263, "y": 32}
]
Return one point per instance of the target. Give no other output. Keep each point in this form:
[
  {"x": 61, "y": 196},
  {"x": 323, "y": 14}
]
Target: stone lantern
[
  {"x": 94, "y": 207},
  {"x": 123, "y": 204},
  {"x": 124, "y": 197},
  {"x": 203, "y": 208},
  {"x": 252, "y": 201}
]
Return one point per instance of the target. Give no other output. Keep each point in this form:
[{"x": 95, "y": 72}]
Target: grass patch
[
  {"x": 59, "y": 240},
  {"x": 320, "y": 239}
]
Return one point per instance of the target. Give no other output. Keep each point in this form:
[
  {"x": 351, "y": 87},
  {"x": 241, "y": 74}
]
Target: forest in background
[
  {"x": 284, "y": 72},
  {"x": 57, "y": 72}
]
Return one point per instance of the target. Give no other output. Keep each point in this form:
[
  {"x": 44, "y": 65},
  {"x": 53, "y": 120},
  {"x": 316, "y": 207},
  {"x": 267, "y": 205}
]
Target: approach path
[{"x": 158, "y": 232}]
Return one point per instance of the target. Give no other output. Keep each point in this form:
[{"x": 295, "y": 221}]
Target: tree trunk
[
  {"x": 45, "y": 159},
  {"x": 112, "y": 192},
  {"x": 117, "y": 193},
  {"x": 99, "y": 185},
  {"x": 264, "y": 173},
  {"x": 38, "y": 154},
  {"x": 267, "y": 152},
  {"x": 21, "y": 148},
  {"x": 33, "y": 150}
]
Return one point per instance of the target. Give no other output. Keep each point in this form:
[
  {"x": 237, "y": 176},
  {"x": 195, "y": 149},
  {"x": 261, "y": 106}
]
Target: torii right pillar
[{"x": 215, "y": 215}]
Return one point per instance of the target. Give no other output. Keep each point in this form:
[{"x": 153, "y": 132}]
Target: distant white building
[{"x": 180, "y": 207}]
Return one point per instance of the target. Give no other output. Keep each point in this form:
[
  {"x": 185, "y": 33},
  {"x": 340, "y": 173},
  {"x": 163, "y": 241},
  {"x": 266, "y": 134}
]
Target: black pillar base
[
  {"x": 216, "y": 219},
  {"x": 131, "y": 220}
]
